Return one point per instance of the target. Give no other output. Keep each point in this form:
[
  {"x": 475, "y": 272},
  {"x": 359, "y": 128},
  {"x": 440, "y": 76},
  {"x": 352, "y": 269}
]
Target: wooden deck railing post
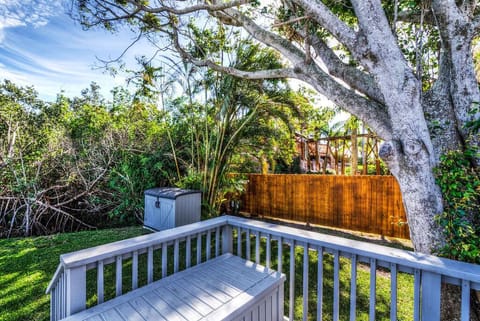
[
  {"x": 227, "y": 240},
  {"x": 76, "y": 293}
]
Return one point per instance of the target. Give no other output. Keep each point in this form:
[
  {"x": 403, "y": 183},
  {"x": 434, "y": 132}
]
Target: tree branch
[
  {"x": 313, "y": 74},
  {"x": 322, "y": 15},
  {"x": 279, "y": 24},
  {"x": 190, "y": 9},
  {"x": 261, "y": 74},
  {"x": 352, "y": 76},
  {"x": 284, "y": 46},
  {"x": 371, "y": 112}
]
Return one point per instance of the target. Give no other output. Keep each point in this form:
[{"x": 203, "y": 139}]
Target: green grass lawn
[{"x": 27, "y": 265}]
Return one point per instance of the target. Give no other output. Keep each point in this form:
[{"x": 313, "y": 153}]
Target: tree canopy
[{"x": 403, "y": 67}]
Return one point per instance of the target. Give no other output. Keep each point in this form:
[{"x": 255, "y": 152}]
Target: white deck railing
[{"x": 182, "y": 247}]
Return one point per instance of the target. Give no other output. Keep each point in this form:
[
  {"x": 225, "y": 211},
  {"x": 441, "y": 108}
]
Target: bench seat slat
[
  {"x": 224, "y": 288},
  {"x": 166, "y": 311}
]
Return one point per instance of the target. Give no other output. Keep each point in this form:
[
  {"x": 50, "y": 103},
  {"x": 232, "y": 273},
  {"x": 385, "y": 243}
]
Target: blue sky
[{"x": 41, "y": 45}]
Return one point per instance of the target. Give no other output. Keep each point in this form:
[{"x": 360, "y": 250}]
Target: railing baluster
[
  {"x": 305, "y": 281},
  {"x": 149, "y": 265},
  {"x": 280, "y": 254},
  {"x": 209, "y": 244},
  {"x": 56, "y": 298},
  {"x": 393, "y": 291},
  {"x": 53, "y": 299},
  {"x": 164, "y": 259},
  {"x": 217, "y": 242},
  {"x": 257, "y": 247},
  {"x": 239, "y": 242},
  {"x": 134, "y": 270},
  {"x": 269, "y": 249},
  {"x": 336, "y": 285},
  {"x": 227, "y": 239},
  {"x": 465, "y": 300},
  {"x": 65, "y": 296},
  {"x": 291, "y": 301},
  {"x": 373, "y": 289},
  {"x": 60, "y": 297},
  {"x": 247, "y": 250},
  {"x": 176, "y": 256},
  {"x": 353, "y": 289},
  {"x": 320, "y": 283},
  {"x": 118, "y": 275},
  {"x": 100, "y": 290},
  {"x": 199, "y": 248},
  {"x": 430, "y": 297},
  {"x": 416, "y": 294},
  {"x": 188, "y": 252},
  {"x": 62, "y": 291}
]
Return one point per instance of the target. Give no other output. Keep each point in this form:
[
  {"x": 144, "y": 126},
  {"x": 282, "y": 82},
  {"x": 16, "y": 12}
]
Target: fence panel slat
[{"x": 365, "y": 203}]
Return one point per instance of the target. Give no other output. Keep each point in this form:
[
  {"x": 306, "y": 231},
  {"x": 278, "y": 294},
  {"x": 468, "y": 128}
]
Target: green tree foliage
[{"x": 235, "y": 124}]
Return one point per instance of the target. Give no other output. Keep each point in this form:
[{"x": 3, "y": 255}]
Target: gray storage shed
[{"x": 168, "y": 207}]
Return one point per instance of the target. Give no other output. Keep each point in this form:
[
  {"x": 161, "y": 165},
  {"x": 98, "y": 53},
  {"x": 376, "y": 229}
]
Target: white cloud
[
  {"x": 41, "y": 46},
  {"x": 17, "y": 13}
]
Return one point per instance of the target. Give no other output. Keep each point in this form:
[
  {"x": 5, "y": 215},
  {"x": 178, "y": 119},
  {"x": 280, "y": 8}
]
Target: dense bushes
[{"x": 74, "y": 163}]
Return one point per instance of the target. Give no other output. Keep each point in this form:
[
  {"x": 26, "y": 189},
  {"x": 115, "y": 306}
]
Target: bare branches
[
  {"x": 261, "y": 74},
  {"x": 279, "y": 24},
  {"x": 284, "y": 46},
  {"x": 351, "y": 75},
  {"x": 194, "y": 8}
]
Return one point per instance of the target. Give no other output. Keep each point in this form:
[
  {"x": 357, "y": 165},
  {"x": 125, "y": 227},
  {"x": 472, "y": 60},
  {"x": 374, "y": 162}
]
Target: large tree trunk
[{"x": 421, "y": 196}]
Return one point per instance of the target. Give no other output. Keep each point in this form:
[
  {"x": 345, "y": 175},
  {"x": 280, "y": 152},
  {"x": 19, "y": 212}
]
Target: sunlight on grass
[{"x": 27, "y": 265}]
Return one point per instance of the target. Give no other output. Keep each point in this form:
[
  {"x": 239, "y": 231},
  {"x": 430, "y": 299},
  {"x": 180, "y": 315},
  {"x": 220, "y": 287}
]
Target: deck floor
[{"x": 208, "y": 291}]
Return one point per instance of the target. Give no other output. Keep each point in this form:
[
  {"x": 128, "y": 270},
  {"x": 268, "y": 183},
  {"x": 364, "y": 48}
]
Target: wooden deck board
[{"x": 209, "y": 291}]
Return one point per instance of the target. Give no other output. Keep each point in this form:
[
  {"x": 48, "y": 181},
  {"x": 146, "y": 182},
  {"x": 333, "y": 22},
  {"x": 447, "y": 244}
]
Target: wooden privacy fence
[{"x": 371, "y": 204}]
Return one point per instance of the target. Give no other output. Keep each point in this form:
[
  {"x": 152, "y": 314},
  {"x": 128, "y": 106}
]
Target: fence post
[
  {"x": 227, "y": 240},
  {"x": 76, "y": 289},
  {"x": 430, "y": 297}
]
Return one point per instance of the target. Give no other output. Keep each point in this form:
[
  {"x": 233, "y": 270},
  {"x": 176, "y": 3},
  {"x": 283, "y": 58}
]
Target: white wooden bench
[{"x": 224, "y": 288}]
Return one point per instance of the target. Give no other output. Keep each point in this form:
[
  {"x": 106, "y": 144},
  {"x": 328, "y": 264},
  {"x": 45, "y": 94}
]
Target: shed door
[{"x": 167, "y": 213}]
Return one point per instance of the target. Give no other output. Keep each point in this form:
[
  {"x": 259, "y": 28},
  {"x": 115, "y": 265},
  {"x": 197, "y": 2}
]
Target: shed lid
[{"x": 169, "y": 192}]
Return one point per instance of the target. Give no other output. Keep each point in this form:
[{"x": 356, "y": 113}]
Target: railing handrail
[
  {"x": 430, "y": 263},
  {"x": 68, "y": 285},
  {"x": 101, "y": 252},
  {"x": 444, "y": 266}
]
